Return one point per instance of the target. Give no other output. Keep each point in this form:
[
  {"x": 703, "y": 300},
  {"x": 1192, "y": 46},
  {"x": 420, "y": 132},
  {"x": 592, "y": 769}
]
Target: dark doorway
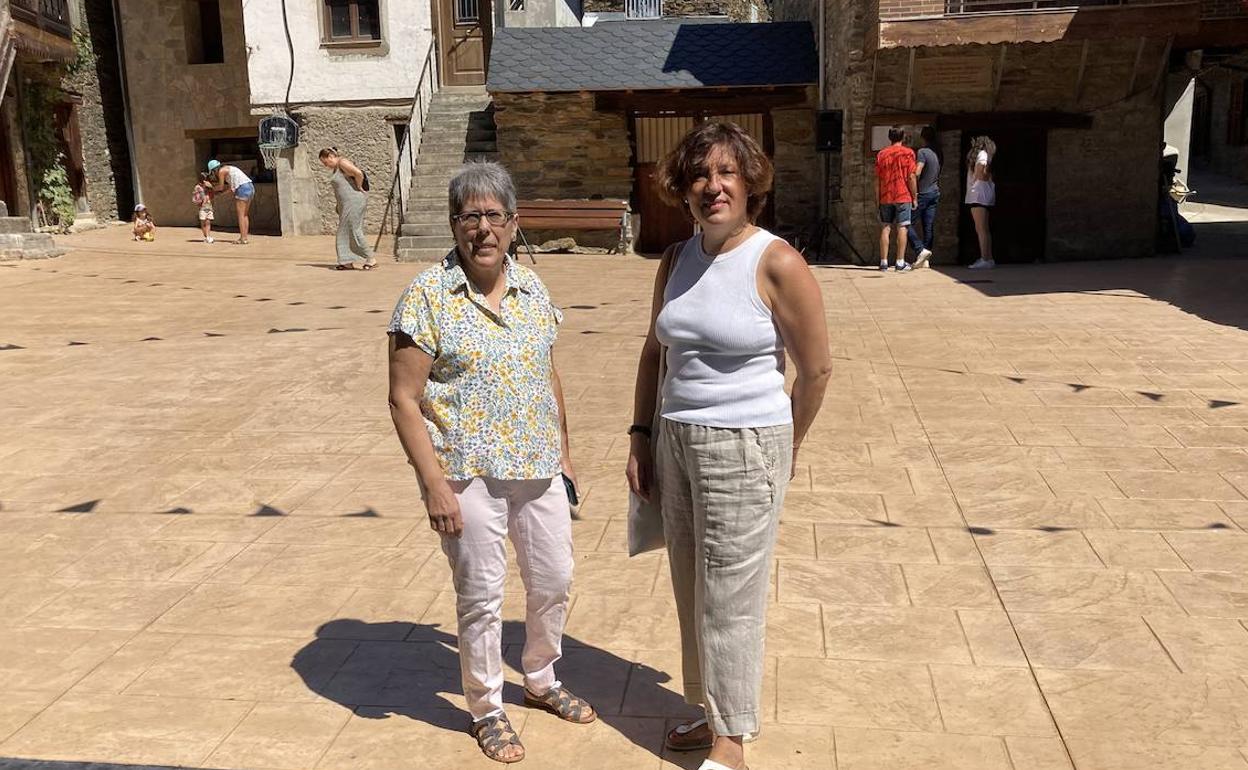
[{"x": 1020, "y": 170}]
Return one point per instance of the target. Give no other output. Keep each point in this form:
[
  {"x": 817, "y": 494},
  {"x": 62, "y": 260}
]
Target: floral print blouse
[{"x": 489, "y": 404}]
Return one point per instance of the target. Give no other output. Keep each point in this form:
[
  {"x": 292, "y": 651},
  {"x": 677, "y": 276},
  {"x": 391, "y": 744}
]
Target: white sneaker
[
  {"x": 883, "y": 265},
  {"x": 924, "y": 255},
  {"x": 982, "y": 264},
  {"x": 208, "y": 239}
]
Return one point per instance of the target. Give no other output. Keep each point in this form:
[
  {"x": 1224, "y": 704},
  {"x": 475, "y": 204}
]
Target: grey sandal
[
  {"x": 494, "y": 735},
  {"x": 563, "y": 704}
]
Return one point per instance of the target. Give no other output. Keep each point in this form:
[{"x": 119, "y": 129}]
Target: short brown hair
[{"x": 677, "y": 172}]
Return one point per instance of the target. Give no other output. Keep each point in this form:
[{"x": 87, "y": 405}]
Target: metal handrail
[{"x": 415, "y": 124}]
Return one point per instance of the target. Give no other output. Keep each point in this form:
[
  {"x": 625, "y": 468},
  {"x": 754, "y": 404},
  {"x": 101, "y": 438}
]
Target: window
[
  {"x": 202, "y": 22},
  {"x": 352, "y": 21},
  {"x": 467, "y": 13}
]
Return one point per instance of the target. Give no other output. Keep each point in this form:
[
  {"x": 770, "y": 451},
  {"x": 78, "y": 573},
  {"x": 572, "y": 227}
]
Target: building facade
[
  {"x": 1071, "y": 95},
  {"x": 349, "y": 80},
  {"x": 53, "y": 167},
  {"x": 587, "y": 113}
]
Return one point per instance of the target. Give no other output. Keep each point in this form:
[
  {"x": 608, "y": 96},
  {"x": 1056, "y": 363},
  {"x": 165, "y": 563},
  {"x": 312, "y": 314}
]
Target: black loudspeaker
[{"x": 828, "y": 127}]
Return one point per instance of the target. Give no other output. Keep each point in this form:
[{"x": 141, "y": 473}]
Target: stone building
[
  {"x": 350, "y": 81},
  {"x": 1072, "y": 95},
  {"x": 587, "y": 113},
  {"x": 185, "y": 69},
  {"x": 52, "y": 168}
]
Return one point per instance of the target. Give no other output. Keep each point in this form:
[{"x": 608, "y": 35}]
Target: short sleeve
[
  {"x": 982, "y": 158},
  {"x": 414, "y": 317}
]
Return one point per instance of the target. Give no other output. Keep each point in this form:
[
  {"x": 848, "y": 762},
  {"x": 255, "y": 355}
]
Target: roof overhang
[{"x": 659, "y": 55}]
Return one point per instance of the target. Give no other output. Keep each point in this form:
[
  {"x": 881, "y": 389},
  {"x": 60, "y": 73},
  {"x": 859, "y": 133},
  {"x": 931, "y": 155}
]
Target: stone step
[
  {"x": 456, "y": 149},
  {"x": 451, "y": 119},
  {"x": 441, "y": 228},
  {"x": 443, "y": 157},
  {"x": 420, "y": 255},
  {"x": 15, "y": 225},
  {"x": 443, "y": 241},
  {"x": 26, "y": 240}
]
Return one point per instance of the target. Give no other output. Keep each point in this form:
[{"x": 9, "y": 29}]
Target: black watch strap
[{"x": 639, "y": 428}]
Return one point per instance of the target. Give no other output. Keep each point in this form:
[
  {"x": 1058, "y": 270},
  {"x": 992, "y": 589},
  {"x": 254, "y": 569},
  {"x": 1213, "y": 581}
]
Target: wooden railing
[{"x": 49, "y": 15}]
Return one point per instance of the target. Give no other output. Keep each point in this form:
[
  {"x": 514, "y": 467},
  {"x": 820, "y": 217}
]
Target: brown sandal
[
  {"x": 563, "y": 704},
  {"x": 696, "y": 735},
  {"x": 494, "y": 735}
]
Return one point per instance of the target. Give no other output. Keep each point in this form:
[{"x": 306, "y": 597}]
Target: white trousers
[{"x": 535, "y": 514}]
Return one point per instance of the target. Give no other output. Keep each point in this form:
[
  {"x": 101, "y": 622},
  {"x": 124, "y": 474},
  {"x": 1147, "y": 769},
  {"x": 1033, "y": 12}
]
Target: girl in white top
[
  {"x": 728, "y": 304},
  {"x": 981, "y": 195}
]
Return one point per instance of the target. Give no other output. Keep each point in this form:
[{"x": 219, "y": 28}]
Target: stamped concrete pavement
[{"x": 1015, "y": 540}]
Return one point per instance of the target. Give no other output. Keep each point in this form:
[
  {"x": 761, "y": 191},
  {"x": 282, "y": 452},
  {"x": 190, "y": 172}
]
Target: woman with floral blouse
[{"x": 479, "y": 409}]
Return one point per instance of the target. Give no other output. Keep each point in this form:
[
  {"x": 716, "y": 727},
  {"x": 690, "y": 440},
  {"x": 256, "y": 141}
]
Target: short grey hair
[{"x": 481, "y": 179}]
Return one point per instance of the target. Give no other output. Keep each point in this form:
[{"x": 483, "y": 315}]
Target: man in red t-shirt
[{"x": 896, "y": 172}]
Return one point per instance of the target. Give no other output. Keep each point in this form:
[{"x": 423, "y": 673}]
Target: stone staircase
[
  {"x": 459, "y": 127},
  {"x": 18, "y": 241}
]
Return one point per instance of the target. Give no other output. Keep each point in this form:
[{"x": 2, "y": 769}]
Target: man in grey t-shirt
[{"x": 928, "y": 168}]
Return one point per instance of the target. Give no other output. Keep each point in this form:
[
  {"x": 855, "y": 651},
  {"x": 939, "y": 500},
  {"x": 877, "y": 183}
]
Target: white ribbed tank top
[{"x": 725, "y": 357}]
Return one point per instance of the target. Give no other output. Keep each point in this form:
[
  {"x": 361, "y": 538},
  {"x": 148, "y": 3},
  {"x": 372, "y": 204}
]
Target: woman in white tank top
[{"x": 728, "y": 304}]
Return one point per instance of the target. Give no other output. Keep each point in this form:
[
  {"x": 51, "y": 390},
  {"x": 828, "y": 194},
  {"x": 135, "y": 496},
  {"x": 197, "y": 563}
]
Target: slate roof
[{"x": 656, "y": 54}]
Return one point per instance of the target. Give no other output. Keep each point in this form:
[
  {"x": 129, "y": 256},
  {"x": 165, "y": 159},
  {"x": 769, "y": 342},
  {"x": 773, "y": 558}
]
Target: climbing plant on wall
[{"x": 47, "y": 162}]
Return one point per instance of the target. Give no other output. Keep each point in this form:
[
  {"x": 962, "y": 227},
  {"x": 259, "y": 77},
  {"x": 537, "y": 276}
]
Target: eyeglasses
[{"x": 473, "y": 218}]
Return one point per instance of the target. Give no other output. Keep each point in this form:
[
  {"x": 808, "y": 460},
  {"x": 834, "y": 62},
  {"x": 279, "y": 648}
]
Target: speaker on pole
[{"x": 828, "y": 128}]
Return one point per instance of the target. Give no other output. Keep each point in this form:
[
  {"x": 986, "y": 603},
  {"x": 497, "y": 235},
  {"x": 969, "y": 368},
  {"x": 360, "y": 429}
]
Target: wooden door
[
  {"x": 661, "y": 223},
  {"x": 8, "y": 187},
  {"x": 464, "y": 30},
  {"x": 1020, "y": 170},
  {"x": 655, "y": 136}
]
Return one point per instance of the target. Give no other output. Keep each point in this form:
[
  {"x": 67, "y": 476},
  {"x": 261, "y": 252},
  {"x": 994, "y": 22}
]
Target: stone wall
[
  {"x": 172, "y": 102},
  {"x": 363, "y": 134},
  {"x": 1118, "y": 152},
  {"x": 559, "y": 146},
  {"x": 101, "y": 116},
  {"x": 798, "y": 167}
]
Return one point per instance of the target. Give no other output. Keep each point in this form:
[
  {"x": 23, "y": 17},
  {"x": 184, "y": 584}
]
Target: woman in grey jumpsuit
[{"x": 348, "y": 183}]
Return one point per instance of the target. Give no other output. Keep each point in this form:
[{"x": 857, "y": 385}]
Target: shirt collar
[{"x": 454, "y": 278}]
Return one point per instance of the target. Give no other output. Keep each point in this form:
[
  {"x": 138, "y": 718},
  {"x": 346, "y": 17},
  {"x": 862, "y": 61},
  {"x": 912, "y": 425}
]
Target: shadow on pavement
[{"x": 407, "y": 670}]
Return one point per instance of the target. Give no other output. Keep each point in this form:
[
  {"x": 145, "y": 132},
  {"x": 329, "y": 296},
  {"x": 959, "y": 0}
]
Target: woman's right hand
[
  {"x": 640, "y": 469},
  {"x": 443, "y": 507}
]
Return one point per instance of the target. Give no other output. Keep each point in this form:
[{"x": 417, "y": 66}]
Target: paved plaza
[{"x": 1015, "y": 539}]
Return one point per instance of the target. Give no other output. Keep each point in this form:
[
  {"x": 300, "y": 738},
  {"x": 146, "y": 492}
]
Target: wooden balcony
[
  {"x": 914, "y": 23},
  {"x": 50, "y": 16}
]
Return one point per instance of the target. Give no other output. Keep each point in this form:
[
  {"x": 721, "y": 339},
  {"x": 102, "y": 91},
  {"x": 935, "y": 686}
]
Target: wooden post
[
  {"x": 1135, "y": 68},
  {"x": 1083, "y": 68},
  {"x": 996, "y": 83},
  {"x": 1163, "y": 67},
  {"x": 910, "y": 81}
]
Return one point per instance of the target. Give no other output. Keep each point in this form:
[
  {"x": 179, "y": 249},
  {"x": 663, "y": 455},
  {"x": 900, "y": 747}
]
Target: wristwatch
[{"x": 639, "y": 428}]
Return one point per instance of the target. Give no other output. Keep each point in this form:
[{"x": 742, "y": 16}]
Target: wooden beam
[
  {"x": 1135, "y": 66},
  {"x": 1087, "y": 23},
  {"x": 1083, "y": 68},
  {"x": 910, "y": 80},
  {"x": 988, "y": 121},
  {"x": 1162, "y": 66},
  {"x": 697, "y": 101},
  {"x": 996, "y": 82}
]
